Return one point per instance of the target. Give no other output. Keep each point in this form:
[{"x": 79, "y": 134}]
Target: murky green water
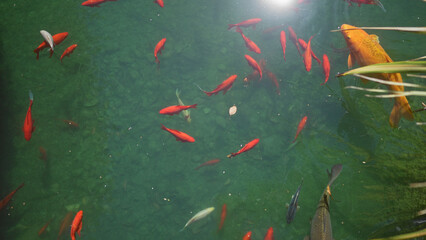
[{"x": 134, "y": 181}]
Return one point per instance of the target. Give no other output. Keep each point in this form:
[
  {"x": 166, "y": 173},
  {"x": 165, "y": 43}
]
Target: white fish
[
  {"x": 48, "y": 38},
  {"x": 201, "y": 214}
]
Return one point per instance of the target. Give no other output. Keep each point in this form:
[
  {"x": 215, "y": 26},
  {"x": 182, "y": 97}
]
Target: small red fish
[
  {"x": 246, "y": 148},
  {"x": 68, "y": 51},
  {"x": 95, "y": 3},
  {"x": 70, "y": 123},
  {"x": 304, "y": 45},
  {"x": 274, "y": 79},
  {"x": 301, "y": 126},
  {"x": 251, "y": 46},
  {"x": 43, "y": 229},
  {"x": 222, "y": 216},
  {"x": 43, "y": 154},
  {"x": 208, "y": 163},
  {"x": 252, "y": 63},
  {"x": 373, "y": 2},
  {"x": 180, "y": 136},
  {"x": 307, "y": 56},
  {"x": 29, "y": 127},
  {"x": 224, "y": 86},
  {"x": 270, "y": 234},
  {"x": 272, "y": 29},
  {"x": 57, "y": 39},
  {"x": 159, "y": 2},
  {"x": 293, "y": 38},
  {"x": 247, "y": 23},
  {"x": 175, "y": 109},
  {"x": 283, "y": 42},
  {"x": 325, "y": 68},
  {"x": 65, "y": 223},
  {"x": 6, "y": 199},
  {"x": 247, "y": 236},
  {"x": 158, "y": 48},
  {"x": 77, "y": 224}
]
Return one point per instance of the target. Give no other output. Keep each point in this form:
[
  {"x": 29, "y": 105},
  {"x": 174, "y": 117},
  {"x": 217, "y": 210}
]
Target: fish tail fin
[
  {"x": 20, "y": 186},
  {"x": 400, "y": 108},
  {"x": 193, "y": 106},
  {"x": 405, "y": 108},
  {"x": 231, "y": 26},
  {"x": 163, "y": 127},
  {"x": 208, "y": 93},
  {"x": 378, "y": 3},
  {"x": 31, "y": 95},
  {"x": 51, "y": 53}
]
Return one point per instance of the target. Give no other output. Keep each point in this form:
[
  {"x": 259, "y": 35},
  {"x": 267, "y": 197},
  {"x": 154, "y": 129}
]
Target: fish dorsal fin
[
  {"x": 374, "y": 38},
  {"x": 351, "y": 60}
]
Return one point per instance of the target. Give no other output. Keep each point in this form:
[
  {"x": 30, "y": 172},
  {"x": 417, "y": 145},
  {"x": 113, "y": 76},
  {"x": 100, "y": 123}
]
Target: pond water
[{"x": 135, "y": 181}]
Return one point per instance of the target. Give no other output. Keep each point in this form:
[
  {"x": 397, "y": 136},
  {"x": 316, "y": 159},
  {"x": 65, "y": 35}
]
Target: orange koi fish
[
  {"x": 247, "y": 23},
  {"x": 5, "y": 200},
  {"x": 77, "y": 224},
  {"x": 57, "y": 39},
  {"x": 325, "y": 68},
  {"x": 274, "y": 79},
  {"x": 301, "y": 126},
  {"x": 304, "y": 45},
  {"x": 158, "y": 48},
  {"x": 246, "y": 148},
  {"x": 373, "y": 2},
  {"x": 68, "y": 51},
  {"x": 180, "y": 136},
  {"x": 66, "y": 222},
  {"x": 251, "y": 46},
  {"x": 270, "y": 234},
  {"x": 224, "y": 86},
  {"x": 176, "y": 109},
  {"x": 366, "y": 50},
  {"x": 247, "y": 236},
  {"x": 252, "y": 63},
  {"x": 283, "y": 42},
  {"x": 43, "y": 229},
  {"x": 222, "y": 216},
  {"x": 208, "y": 163},
  {"x": 70, "y": 123},
  {"x": 159, "y": 2},
  {"x": 29, "y": 127},
  {"x": 95, "y": 3},
  {"x": 307, "y": 56},
  {"x": 293, "y": 38}
]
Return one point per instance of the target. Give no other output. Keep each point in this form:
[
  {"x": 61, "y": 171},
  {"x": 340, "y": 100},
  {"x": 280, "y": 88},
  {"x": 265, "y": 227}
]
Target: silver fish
[
  {"x": 321, "y": 223},
  {"x": 293, "y": 205},
  {"x": 48, "y": 38},
  {"x": 201, "y": 214}
]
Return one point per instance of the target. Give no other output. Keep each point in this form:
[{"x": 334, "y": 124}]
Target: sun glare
[{"x": 281, "y": 3}]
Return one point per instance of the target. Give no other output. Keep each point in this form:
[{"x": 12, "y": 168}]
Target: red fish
[
  {"x": 274, "y": 79},
  {"x": 5, "y": 200},
  {"x": 208, "y": 163},
  {"x": 304, "y": 45},
  {"x": 300, "y": 127},
  {"x": 307, "y": 56},
  {"x": 251, "y": 46},
  {"x": 57, "y": 39},
  {"x": 224, "y": 86},
  {"x": 68, "y": 51},
  {"x": 66, "y": 222},
  {"x": 180, "y": 136},
  {"x": 43, "y": 229},
  {"x": 247, "y": 236},
  {"x": 252, "y": 63},
  {"x": 246, "y": 148},
  {"x": 76, "y": 225},
  {"x": 158, "y": 48},
  {"x": 222, "y": 216},
  {"x": 283, "y": 42},
  {"x": 29, "y": 127},
  {"x": 247, "y": 23},
  {"x": 293, "y": 38},
  {"x": 175, "y": 109},
  {"x": 373, "y": 2},
  {"x": 272, "y": 29},
  {"x": 325, "y": 68},
  {"x": 95, "y": 3},
  {"x": 70, "y": 123},
  {"x": 159, "y": 2},
  {"x": 270, "y": 234}
]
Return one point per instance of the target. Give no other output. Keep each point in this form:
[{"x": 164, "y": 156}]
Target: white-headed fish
[
  {"x": 186, "y": 113},
  {"x": 48, "y": 38},
  {"x": 201, "y": 214}
]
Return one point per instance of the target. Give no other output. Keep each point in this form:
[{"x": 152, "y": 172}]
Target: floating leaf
[
  {"x": 393, "y": 67},
  {"x": 421, "y": 30}
]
